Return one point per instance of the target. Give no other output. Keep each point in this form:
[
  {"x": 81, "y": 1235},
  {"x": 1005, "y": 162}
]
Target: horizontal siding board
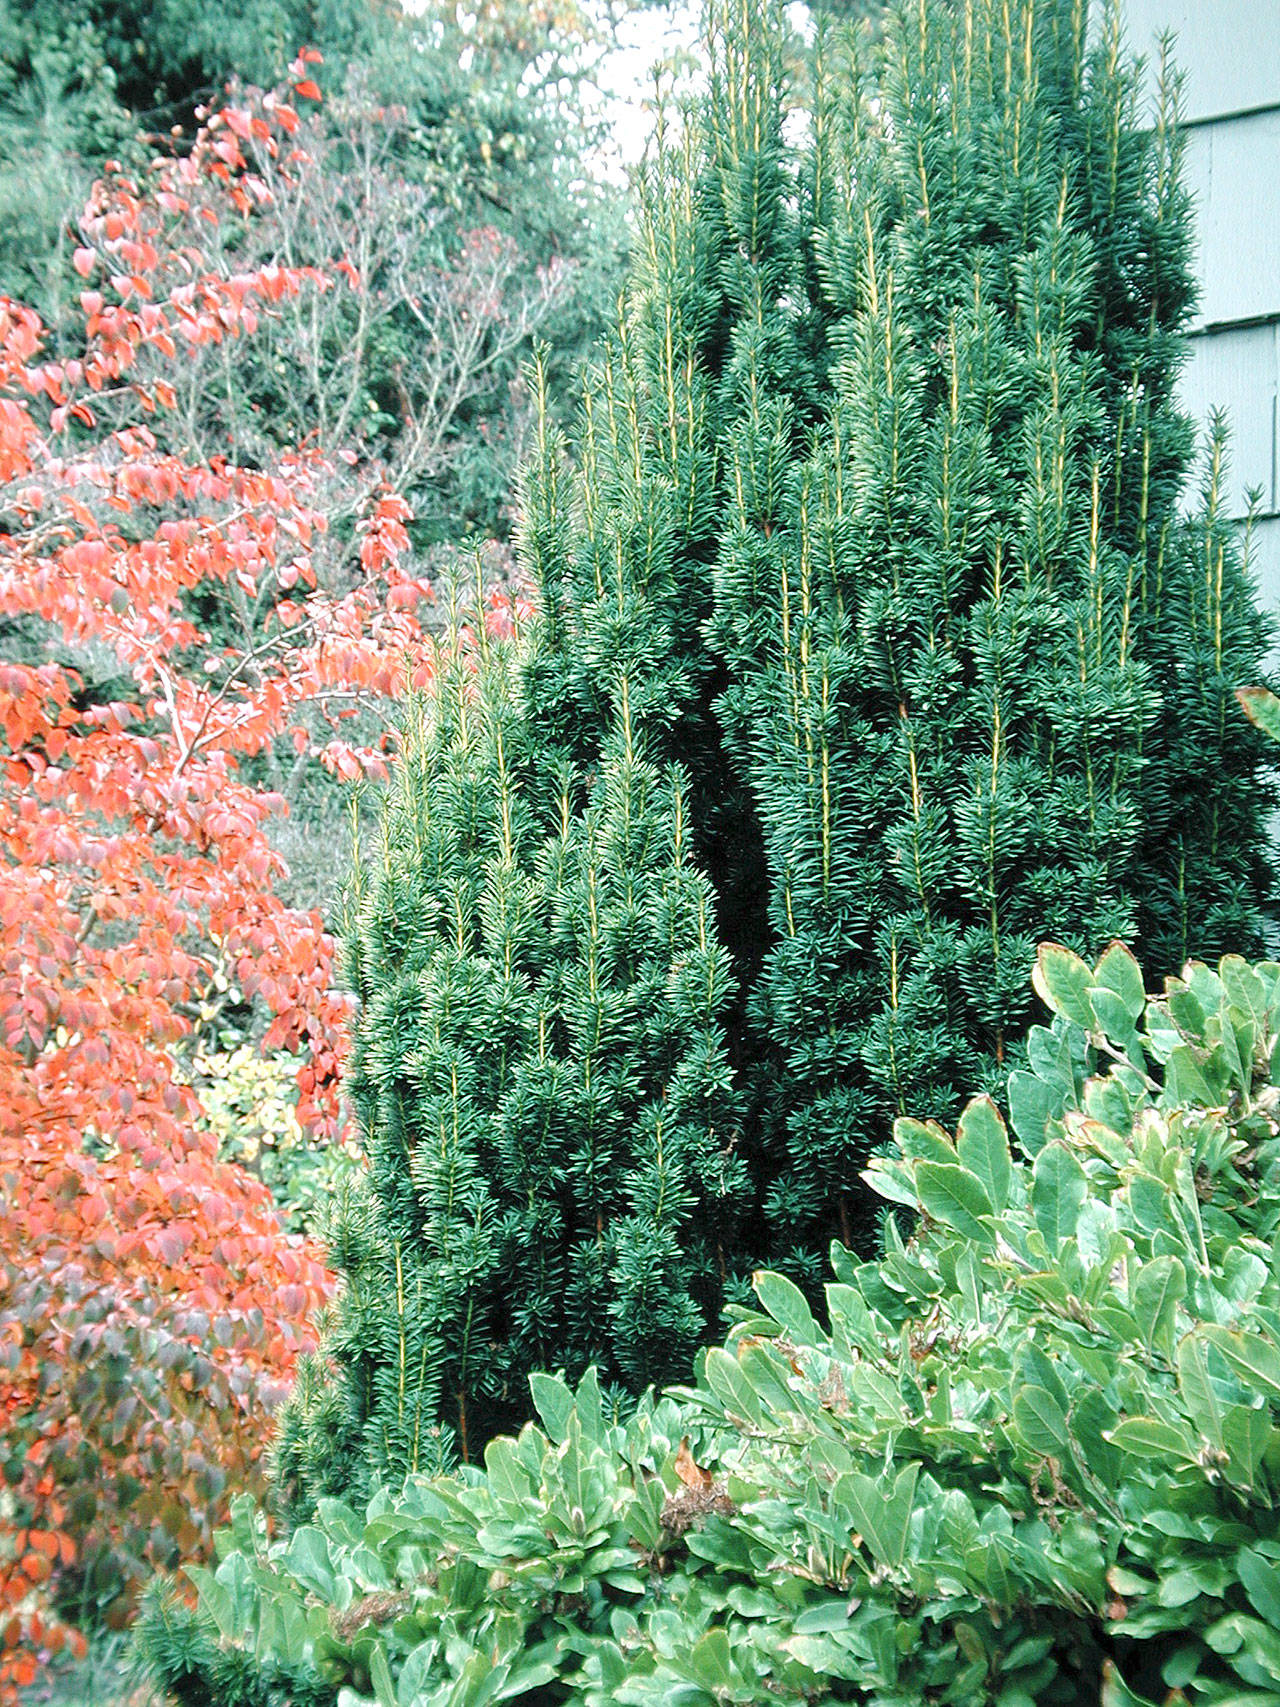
[
  {"x": 1233, "y": 173},
  {"x": 1229, "y": 54}
]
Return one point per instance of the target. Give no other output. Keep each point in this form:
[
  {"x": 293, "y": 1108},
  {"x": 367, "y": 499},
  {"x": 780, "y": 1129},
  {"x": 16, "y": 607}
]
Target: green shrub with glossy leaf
[{"x": 1031, "y": 1456}]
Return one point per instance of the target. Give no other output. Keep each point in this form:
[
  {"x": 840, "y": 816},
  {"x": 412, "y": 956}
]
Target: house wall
[{"x": 1229, "y": 53}]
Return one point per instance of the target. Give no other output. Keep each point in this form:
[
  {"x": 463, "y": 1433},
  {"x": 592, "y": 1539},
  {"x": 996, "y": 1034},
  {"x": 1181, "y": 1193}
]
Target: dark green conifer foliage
[
  {"x": 542, "y": 1071},
  {"x": 540, "y": 1079},
  {"x": 977, "y": 682},
  {"x": 870, "y": 651},
  {"x": 711, "y": 380}
]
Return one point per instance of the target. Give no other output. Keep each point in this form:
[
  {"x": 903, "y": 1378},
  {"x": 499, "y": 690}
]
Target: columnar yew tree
[
  {"x": 543, "y": 1070},
  {"x": 874, "y": 534},
  {"x": 976, "y": 686},
  {"x": 542, "y": 1081}
]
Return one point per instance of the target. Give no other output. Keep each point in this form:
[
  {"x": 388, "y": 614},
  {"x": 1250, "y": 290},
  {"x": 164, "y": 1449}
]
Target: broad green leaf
[
  {"x": 1261, "y": 1580},
  {"x": 817, "y": 1654},
  {"x": 1251, "y": 1356},
  {"x": 338, "y": 1519},
  {"x": 1116, "y": 1692},
  {"x": 508, "y": 1478},
  {"x": 882, "y": 1396},
  {"x": 882, "y": 1518},
  {"x": 986, "y": 1562},
  {"x": 1058, "y": 1189},
  {"x": 1253, "y": 1647},
  {"x": 923, "y": 1140},
  {"x": 524, "y": 1679},
  {"x": 1093, "y": 1417},
  {"x": 1196, "y": 1386},
  {"x": 1032, "y": 1104},
  {"x": 897, "y": 1513},
  {"x": 380, "y": 1676},
  {"x": 849, "y": 1315},
  {"x": 1239, "y": 1066},
  {"x": 572, "y": 1475},
  {"x": 1062, "y": 981},
  {"x": 783, "y": 1300},
  {"x": 1150, "y": 1437},
  {"x": 1205, "y": 985},
  {"x": 308, "y": 1559},
  {"x": 1109, "y": 1103},
  {"x": 415, "y": 1673},
  {"x": 1159, "y": 1286},
  {"x": 821, "y": 1620},
  {"x": 1119, "y": 972},
  {"x": 1246, "y": 1434},
  {"x": 1033, "y": 1369},
  {"x": 1115, "y": 1020},
  {"x": 1149, "y": 1200},
  {"x": 891, "y": 1179},
  {"x": 1179, "y": 1588},
  {"x": 1185, "y": 1086},
  {"x": 970, "y": 1284},
  {"x": 711, "y": 1664},
  {"x": 1245, "y": 989},
  {"x": 1096, "y": 1234},
  {"x": 983, "y": 1147},
  {"x": 731, "y": 1386},
  {"x": 769, "y": 1377},
  {"x": 1041, "y": 1422},
  {"x": 1185, "y": 1011},
  {"x": 216, "y": 1600},
  {"x": 587, "y": 1404},
  {"x": 955, "y": 1197},
  {"x": 554, "y": 1404}
]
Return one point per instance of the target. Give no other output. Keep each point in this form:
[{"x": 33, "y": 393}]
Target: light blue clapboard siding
[
  {"x": 1233, "y": 172},
  {"x": 1264, "y": 561},
  {"x": 1236, "y": 370},
  {"x": 1229, "y": 50},
  {"x": 1229, "y": 54}
]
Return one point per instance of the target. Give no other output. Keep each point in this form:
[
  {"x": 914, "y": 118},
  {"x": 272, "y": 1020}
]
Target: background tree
[
  {"x": 444, "y": 187},
  {"x": 151, "y": 1306},
  {"x": 387, "y": 377},
  {"x": 493, "y": 124}
]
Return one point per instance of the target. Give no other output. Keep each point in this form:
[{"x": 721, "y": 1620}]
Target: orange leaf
[{"x": 688, "y": 1471}]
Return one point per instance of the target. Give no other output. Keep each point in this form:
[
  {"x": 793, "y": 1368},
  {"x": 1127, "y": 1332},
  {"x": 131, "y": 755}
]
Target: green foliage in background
[
  {"x": 250, "y": 1102},
  {"x": 491, "y": 130},
  {"x": 82, "y": 80},
  {"x": 1029, "y": 1455}
]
